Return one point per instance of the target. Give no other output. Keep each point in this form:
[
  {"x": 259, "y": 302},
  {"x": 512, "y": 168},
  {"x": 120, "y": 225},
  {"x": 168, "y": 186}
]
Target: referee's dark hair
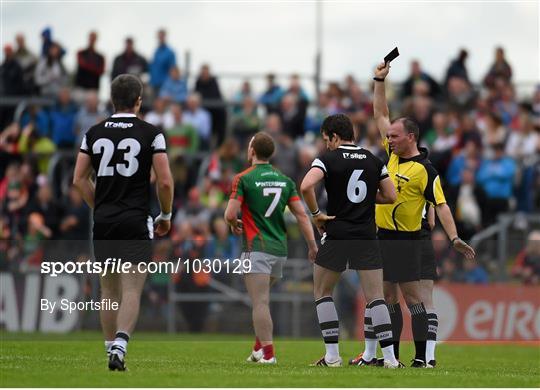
[
  {"x": 263, "y": 145},
  {"x": 125, "y": 91},
  {"x": 410, "y": 127},
  {"x": 339, "y": 124}
]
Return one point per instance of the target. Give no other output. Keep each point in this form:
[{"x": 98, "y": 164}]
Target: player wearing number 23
[{"x": 122, "y": 151}]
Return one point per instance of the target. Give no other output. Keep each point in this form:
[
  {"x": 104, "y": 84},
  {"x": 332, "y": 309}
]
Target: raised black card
[{"x": 391, "y": 56}]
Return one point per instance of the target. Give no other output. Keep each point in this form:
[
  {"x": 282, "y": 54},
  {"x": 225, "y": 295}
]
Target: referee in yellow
[{"x": 399, "y": 224}]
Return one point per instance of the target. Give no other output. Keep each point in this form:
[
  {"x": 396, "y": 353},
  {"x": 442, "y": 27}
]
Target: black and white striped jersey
[{"x": 121, "y": 149}]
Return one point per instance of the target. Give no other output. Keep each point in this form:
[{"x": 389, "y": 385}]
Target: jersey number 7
[{"x": 277, "y": 194}]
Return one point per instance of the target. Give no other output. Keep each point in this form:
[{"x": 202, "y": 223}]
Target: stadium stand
[{"x": 484, "y": 141}]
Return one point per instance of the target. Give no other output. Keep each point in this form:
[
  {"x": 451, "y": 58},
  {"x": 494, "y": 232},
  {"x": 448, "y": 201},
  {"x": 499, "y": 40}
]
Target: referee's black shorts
[
  {"x": 428, "y": 269},
  {"x": 401, "y": 255},
  {"x": 129, "y": 240},
  {"x": 359, "y": 254}
]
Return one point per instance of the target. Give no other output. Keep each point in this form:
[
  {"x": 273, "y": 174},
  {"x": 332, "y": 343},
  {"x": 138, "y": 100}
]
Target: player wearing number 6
[
  {"x": 121, "y": 151},
  {"x": 261, "y": 194},
  {"x": 355, "y": 180}
]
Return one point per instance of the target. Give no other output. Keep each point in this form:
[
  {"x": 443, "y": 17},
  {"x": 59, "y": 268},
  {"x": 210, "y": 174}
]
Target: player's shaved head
[
  {"x": 263, "y": 146},
  {"x": 338, "y": 124},
  {"x": 126, "y": 89}
]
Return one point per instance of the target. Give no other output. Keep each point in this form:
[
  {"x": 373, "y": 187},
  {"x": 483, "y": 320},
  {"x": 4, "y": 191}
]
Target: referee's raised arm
[{"x": 380, "y": 107}]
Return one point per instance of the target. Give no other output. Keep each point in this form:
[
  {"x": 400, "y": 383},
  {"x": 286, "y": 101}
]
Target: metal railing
[
  {"x": 499, "y": 233},
  {"x": 293, "y": 269}
]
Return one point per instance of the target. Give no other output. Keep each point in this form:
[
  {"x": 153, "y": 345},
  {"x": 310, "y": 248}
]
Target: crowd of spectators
[{"x": 483, "y": 141}]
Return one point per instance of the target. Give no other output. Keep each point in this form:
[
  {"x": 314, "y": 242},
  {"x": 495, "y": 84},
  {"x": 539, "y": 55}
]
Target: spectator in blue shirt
[
  {"x": 199, "y": 118},
  {"x": 39, "y": 117},
  {"x": 271, "y": 98},
  {"x": 469, "y": 157},
  {"x": 88, "y": 115},
  {"x": 474, "y": 273},
  {"x": 496, "y": 177},
  {"x": 63, "y": 120},
  {"x": 47, "y": 42},
  {"x": 175, "y": 87},
  {"x": 164, "y": 59}
]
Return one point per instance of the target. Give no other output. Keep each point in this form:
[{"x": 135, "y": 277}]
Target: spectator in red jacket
[{"x": 91, "y": 65}]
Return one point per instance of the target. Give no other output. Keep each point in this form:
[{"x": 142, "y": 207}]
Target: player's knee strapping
[
  {"x": 382, "y": 326},
  {"x": 328, "y": 319},
  {"x": 369, "y": 334},
  {"x": 370, "y": 347}
]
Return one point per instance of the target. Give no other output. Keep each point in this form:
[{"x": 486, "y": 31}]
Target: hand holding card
[{"x": 391, "y": 56}]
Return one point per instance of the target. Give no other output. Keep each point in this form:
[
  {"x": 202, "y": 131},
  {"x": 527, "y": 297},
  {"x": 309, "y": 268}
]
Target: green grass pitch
[{"x": 161, "y": 360}]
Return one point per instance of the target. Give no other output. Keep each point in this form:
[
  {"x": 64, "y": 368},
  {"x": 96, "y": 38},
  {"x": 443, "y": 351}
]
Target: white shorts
[{"x": 264, "y": 263}]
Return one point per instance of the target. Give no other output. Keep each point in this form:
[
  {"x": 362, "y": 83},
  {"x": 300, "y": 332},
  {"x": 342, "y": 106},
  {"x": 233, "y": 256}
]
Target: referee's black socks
[
  {"x": 396, "y": 317},
  {"x": 419, "y": 322}
]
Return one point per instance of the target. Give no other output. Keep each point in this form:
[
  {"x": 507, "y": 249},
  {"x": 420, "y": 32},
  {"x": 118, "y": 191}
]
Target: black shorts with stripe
[
  {"x": 129, "y": 240},
  {"x": 359, "y": 254},
  {"x": 401, "y": 255}
]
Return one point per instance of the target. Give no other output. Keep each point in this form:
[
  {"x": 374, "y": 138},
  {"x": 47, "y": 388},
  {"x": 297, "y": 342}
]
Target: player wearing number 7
[
  {"x": 354, "y": 180},
  {"x": 122, "y": 150},
  {"x": 261, "y": 194}
]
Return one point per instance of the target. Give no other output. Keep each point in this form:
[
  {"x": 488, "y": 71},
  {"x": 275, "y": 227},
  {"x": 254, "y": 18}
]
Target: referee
[{"x": 399, "y": 224}]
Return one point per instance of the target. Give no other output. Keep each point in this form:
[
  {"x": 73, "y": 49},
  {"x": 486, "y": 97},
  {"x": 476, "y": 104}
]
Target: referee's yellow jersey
[{"x": 416, "y": 182}]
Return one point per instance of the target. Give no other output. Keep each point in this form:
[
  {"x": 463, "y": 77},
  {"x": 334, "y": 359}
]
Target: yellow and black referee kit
[{"x": 399, "y": 224}]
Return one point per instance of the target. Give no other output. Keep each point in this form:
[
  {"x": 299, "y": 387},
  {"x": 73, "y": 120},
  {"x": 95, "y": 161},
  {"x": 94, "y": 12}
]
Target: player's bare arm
[
  {"x": 164, "y": 188},
  {"x": 447, "y": 221},
  {"x": 387, "y": 192},
  {"x": 380, "y": 106},
  {"x": 307, "y": 188},
  {"x": 231, "y": 216},
  {"x": 82, "y": 180},
  {"x": 297, "y": 208}
]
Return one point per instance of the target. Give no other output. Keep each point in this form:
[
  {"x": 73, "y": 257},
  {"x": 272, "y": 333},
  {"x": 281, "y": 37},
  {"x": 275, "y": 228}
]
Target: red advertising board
[{"x": 495, "y": 312}]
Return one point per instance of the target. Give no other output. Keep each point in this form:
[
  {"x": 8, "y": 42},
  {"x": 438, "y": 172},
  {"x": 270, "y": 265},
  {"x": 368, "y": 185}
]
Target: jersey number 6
[{"x": 356, "y": 188}]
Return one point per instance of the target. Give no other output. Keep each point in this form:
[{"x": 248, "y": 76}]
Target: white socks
[{"x": 388, "y": 354}]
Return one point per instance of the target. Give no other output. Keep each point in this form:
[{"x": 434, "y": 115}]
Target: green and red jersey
[{"x": 264, "y": 193}]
